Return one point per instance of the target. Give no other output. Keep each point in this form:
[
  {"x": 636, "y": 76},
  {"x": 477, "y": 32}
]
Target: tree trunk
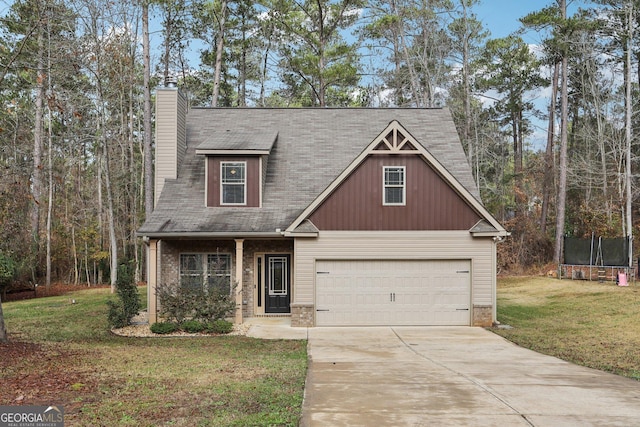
[
  {"x": 412, "y": 74},
  {"x": 74, "y": 251},
  {"x": 516, "y": 127},
  {"x": 242, "y": 72},
  {"x": 408, "y": 60},
  {"x": 36, "y": 184},
  {"x": 113, "y": 243},
  {"x": 148, "y": 155},
  {"x": 562, "y": 178},
  {"x": 628, "y": 129},
  {"x": 466, "y": 92},
  {"x": 98, "y": 275},
  {"x": 547, "y": 185},
  {"x": 219, "y": 48},
  {"x": 321, "y": 56},
  {"x": 50, "y": 201},
  {"x": 3, "y": 329},
  {"x": 168, "y": 28}
]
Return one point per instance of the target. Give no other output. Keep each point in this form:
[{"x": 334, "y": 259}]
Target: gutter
[{"x": 211, "y": 234}]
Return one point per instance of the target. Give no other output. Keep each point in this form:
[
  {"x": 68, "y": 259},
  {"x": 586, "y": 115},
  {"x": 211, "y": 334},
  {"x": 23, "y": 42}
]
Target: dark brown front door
[{"x": 277, "y": 289}]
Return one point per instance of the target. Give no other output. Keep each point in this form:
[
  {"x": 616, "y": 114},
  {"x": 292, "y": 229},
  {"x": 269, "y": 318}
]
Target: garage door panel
[{"x": 367, "y": 292}]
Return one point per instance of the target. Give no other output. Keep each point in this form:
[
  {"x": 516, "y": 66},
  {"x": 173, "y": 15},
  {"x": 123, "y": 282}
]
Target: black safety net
[{"x": 596, "y": 251}]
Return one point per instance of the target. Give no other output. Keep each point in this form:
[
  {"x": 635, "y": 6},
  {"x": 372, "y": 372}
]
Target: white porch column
[
  {"x": 238, "y": 289},
  {"x": 152, "y": 281}
]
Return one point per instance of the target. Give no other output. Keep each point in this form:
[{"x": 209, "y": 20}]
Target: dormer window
[
  {"x": 394, "y": 186},
  {"x": 235, "y": 167},
  {"x": 233, "y": 183}
]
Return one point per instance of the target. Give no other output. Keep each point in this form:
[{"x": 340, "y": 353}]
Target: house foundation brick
[
  {"x": 482, "y": 315},
  {"x": 302, "y": 315}
]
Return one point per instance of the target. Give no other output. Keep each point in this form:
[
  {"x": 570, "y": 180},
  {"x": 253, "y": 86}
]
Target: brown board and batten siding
[
  {"x": 252, "y": 179},
  {"x": 431, "y": 203}
]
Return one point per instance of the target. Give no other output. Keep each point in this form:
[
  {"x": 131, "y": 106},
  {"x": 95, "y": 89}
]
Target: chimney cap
[{"x": 171, "y": 81}]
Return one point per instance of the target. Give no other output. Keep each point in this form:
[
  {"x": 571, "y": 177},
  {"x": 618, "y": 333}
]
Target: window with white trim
[
  {"x": 394, "y": 184},
  {"x": 233, "y": 183},
  {"x": 206, "y": 271}
]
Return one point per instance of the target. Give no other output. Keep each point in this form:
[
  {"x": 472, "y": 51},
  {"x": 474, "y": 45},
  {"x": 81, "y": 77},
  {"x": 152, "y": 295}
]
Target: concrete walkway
[
  {"x": 274, "y": 328},
  {"x": 453, "y": 376}
]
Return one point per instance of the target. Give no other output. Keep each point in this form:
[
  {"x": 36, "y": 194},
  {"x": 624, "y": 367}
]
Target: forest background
[{"x": 76, "y": 124}]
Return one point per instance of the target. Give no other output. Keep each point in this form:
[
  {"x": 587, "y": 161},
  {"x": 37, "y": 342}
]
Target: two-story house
[{"x": 331, "y": 216}]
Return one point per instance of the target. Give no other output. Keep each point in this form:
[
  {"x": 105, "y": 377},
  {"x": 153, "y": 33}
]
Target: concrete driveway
[{"x": 453, "y": 376}]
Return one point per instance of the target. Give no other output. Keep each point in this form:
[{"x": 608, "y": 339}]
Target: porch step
[{"x": 273, "y": 315}]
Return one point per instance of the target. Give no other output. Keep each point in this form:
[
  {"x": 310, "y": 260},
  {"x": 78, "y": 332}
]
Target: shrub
[
  {"x": 164, "y": 328},
  {"x": 192, "y": 326},
  {"x": 205, "y": 304},
  {"x": 115, "y": 315},
  {"x": 219, "y": 326},
  {"x": 176, "y": 303},
  {"x": 8, "y": 270},
  {"x": 127, "y": 304},
  {"x": 214, "y": 304}
]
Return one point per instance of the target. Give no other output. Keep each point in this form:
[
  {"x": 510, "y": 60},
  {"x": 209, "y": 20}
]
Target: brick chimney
[{"x": 171, "y": 117}]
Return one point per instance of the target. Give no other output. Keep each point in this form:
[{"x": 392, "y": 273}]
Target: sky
[{"x": 501, "y": 18}]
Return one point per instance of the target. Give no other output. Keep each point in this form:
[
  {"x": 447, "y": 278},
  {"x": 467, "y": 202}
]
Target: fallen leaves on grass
[{"x": 35, "y": 374}]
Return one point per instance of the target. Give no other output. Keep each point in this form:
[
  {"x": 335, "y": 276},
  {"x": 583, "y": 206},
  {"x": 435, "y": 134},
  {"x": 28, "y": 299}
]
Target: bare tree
[
  {"x": 221, "y": 18},
  {"x": 148, "y": 155},
  {"x": 549, "y": 172},
  {"x": 628, "y": 101},
  {"x": 562, "y": 166},
  {"x": 3, "y": 328},
  {"x": 37, "y": 179}
]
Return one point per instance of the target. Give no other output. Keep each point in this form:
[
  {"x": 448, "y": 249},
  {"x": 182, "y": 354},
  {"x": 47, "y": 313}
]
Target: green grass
[
  {"x": 588, "y": 323},
  {"x": 104, "y": 379}
]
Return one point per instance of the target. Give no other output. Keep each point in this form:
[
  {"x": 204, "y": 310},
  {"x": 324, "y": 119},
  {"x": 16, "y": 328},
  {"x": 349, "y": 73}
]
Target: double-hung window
[
  {"x": 233, "y": 183},
  {"x": 206, "y": 271},
  {"x": 394, "y": 183}
]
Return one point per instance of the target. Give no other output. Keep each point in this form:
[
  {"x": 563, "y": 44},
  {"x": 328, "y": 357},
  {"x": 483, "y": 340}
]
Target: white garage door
[{"x": 377, "y": 293}]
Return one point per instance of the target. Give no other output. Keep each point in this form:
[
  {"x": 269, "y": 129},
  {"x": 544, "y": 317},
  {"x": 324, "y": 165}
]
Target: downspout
[
  {"x": 494, "y": 262},
  {"x": 152, "y": 282}
]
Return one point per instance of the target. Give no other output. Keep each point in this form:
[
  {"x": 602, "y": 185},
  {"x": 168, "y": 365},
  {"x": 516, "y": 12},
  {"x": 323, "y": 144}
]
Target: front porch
[{"x": 260, "y": 272}]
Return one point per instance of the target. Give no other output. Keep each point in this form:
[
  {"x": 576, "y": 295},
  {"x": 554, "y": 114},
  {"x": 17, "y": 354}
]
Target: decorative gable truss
[{"x": 396, "y": 140}]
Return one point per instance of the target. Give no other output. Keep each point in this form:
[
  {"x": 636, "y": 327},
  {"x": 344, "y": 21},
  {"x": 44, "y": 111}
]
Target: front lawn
[
  {"x": 62, "y": 353},
  {"x": 585, "y": 322}
]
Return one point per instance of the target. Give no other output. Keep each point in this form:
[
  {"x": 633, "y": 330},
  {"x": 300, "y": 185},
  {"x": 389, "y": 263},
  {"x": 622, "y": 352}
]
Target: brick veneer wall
[
  {"x": 482, "y": 315},
  {"x": 302, "y": 315},
  {"x": 170, "y": 261}
]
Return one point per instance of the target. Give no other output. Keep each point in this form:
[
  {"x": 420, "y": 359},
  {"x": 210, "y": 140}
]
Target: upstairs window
[
  {"x": 394, "y": 186},
  {"x": 233, "y": 183}
]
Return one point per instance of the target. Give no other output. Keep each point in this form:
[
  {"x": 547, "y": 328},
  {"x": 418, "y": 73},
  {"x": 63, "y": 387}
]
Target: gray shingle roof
[
  {"x": 313, "y": 146},
  {"x": 483, "y": 226},
  {"x": 242, "y": 141}
]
